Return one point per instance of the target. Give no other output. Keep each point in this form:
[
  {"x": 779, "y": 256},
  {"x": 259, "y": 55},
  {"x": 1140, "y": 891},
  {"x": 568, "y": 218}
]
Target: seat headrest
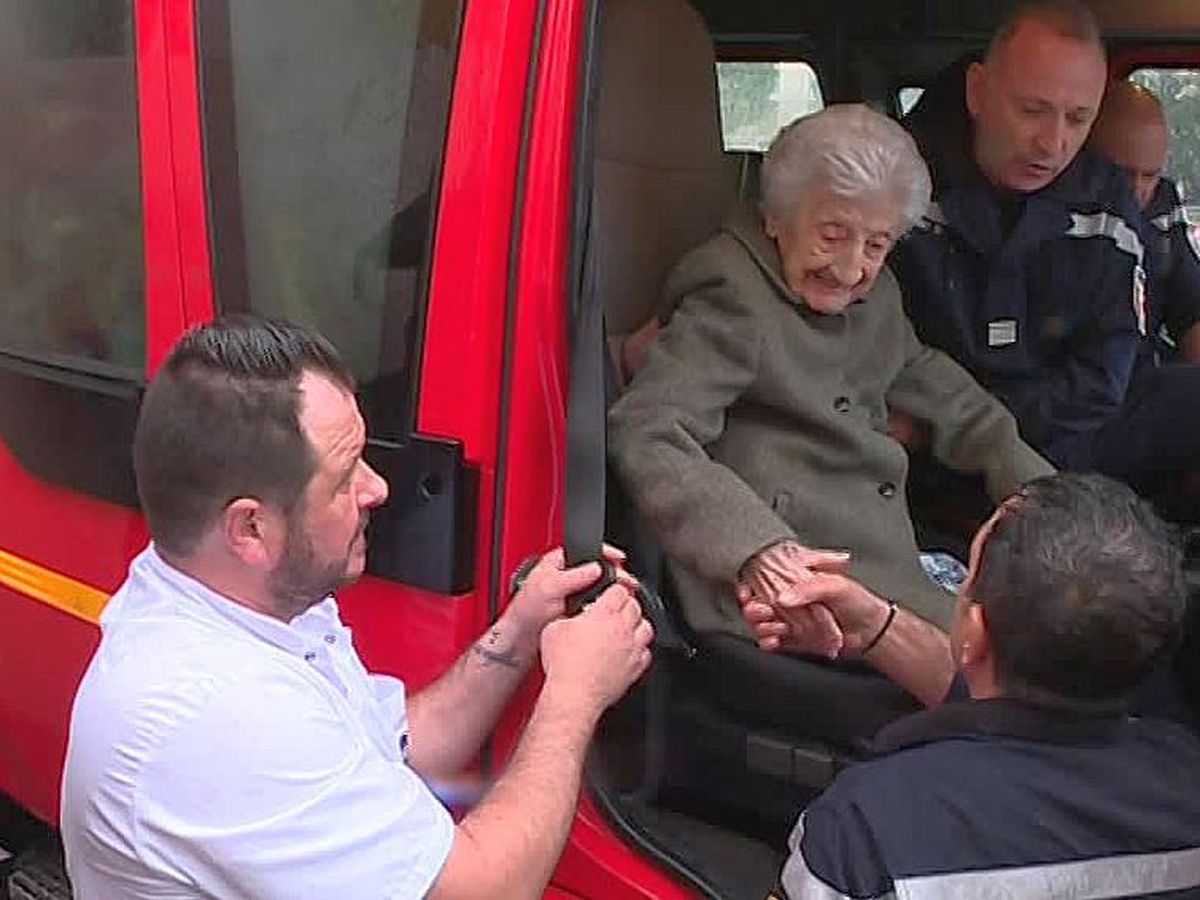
[
  {"x": 659, "y": 106},
  {"x": 662, "y": 182}
]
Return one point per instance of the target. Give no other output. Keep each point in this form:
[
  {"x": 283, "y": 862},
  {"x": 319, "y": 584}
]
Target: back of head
[
  {"x": 1125, "y": 103},
  {"x": 221, "y": 421},
  {"x": 851, "y": 150},
  {"x": 1082, "y": 590},
  {"x": 1071, "y": 19}
]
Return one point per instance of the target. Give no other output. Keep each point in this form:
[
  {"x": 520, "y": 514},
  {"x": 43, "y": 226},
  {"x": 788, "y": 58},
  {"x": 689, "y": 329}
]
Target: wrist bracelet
[{"x": 887, "y": 623}]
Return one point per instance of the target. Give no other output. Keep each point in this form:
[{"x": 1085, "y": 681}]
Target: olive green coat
[{"x": 756, "y": 419}]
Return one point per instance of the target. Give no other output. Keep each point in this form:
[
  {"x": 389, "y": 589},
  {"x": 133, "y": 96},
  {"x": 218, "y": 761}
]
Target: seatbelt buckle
[
  {"x": 578, "y": 602},
  {"x": 666, "y": 636}
]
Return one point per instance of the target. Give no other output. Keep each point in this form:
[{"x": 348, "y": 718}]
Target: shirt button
[
  {"x": 330, "y": 639},
  {"x": 887, "y": 490},
  {"x": 310, "y": 656},
  {"x": 841, "y": 404}
]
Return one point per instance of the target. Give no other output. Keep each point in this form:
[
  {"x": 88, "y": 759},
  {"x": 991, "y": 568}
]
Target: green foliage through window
[
  {"x": 759, "y": 98},
  {"x": 1179, "y": 92}
]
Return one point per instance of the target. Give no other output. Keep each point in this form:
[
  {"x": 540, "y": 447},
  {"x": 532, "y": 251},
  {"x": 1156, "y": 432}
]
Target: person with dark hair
[
  {"x": 227, "y": 740},
  {"x": 1026, "y": 777},
  {"x": 1029, "y": 266}
]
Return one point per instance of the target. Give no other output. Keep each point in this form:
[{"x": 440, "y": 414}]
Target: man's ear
[
  {"x": 975, "y": 650},
  {"x": 252, "y": 532},
  {"x": 976, "y": 82}
]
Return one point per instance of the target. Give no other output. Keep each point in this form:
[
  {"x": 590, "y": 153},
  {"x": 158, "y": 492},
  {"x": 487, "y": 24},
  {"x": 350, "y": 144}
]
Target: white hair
[{"x": 851, "y": 150}]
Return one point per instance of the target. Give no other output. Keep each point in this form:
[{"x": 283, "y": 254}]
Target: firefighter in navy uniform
[
  {"x": 1029, "y": 267},
  {"x": 1131, "y": 131},
  {"x": 1173, "y": 319}
]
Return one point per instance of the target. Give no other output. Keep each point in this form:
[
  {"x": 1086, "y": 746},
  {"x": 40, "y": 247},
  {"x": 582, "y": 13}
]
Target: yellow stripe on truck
[{"x": 52, "y": 588}]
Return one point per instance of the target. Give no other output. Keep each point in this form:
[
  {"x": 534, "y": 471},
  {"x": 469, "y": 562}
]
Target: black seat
[{"x": 832, "y": 703}]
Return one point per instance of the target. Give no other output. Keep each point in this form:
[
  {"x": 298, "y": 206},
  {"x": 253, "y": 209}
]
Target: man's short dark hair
[
  {"x": 1082, "y": 590},
  {"x": 1071, "y": 19},
  {"x": 221, "y": 421}
]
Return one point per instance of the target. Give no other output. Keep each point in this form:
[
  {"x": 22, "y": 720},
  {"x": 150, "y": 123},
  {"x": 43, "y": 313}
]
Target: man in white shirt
[{"x": 227, "y": 741}]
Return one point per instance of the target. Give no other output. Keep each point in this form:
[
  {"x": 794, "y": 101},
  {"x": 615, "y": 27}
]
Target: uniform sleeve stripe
[
  {"x": 801, "y": 883},
  {"x": 1168, "y": 220},
  {"x": 1106, "y": 224},
  {"x": 1113, "y": 876}
]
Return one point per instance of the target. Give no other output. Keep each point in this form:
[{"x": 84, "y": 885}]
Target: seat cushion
[{"x": 834, "y": 703}]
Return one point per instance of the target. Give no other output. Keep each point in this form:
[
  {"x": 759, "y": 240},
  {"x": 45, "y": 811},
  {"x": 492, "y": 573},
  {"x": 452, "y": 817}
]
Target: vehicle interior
[{"x": 689, "y": 768}]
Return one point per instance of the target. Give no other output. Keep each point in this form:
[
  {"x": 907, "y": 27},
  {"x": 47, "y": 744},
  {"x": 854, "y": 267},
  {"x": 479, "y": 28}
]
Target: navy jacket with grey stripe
[
  {"x": 1173, "y": 267},
  {"x": 997, "y": 798},
  {"x": 1040, "y": 295}
]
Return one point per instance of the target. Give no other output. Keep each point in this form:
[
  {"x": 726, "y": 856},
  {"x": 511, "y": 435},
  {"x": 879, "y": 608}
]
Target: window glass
[
  {"x": 908, "y": 97},
  {"x": 71, "y": 270},
  {"x": 324, "y": 127},
  {"x": 1179, "y": 92},
  {"x": 759, "y": 98}
]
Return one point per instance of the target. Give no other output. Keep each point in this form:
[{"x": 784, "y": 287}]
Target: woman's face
[{"x": 833, "y": 247}]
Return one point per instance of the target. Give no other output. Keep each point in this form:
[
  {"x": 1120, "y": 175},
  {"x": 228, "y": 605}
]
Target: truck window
[
  {"x": 324, "y": 126},
  {"x": 71, "y": 274},
  {"x": 759, "y": 98},
  {"x": 1179, "y": 92},
  {"x": 72, "y": 284}
]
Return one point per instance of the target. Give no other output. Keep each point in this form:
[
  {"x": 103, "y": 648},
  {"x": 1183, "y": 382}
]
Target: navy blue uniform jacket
[
  {"x": 1174, "y": 270},
  {"x": 1041, "y": 296}
]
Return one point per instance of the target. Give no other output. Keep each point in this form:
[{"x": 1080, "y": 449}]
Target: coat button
[
  {"x": 887, "y": 490},
  {"x": 841, "y": 404}
]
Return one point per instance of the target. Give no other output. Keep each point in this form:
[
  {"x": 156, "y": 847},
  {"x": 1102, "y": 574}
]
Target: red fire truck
[{"x": 444, "y": 188}]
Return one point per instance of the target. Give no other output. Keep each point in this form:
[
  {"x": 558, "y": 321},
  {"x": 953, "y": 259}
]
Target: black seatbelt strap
[
  {"x": 587, "y": 402},
  {"x": 587, "y": 450},
  {"x": 587, "y": 443}
]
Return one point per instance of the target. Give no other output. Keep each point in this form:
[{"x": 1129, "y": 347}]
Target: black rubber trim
[
  {"x": 635, "y": 835},
  {"x": 89, "y": 375},
  {"x": 498, "y": 580}
]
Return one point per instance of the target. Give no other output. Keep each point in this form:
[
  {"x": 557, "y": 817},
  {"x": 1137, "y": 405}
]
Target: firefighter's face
[
  {"x": 326, "y": 540},
  {"x": 832, "y": 247},
  {"x": 1140, "y": 149},
  {"x": 1032, "y": 105}
]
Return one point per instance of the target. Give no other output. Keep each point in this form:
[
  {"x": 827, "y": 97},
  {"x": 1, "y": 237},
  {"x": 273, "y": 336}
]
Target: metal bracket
[{"x": 424, "y": 535}]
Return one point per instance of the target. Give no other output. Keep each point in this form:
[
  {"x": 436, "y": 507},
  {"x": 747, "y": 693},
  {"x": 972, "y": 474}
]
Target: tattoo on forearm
[{"x": 489, "y": 652}]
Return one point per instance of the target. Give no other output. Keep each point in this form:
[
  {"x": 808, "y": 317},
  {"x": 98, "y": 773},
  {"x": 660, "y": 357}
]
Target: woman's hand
[{"x": 772, "y": 580}]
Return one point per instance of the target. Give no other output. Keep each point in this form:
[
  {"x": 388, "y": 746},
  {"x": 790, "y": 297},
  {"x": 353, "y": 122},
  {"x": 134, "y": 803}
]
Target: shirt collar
[
  {"x": 154, "y": 580},
  {"x": 999, "y": 717}
]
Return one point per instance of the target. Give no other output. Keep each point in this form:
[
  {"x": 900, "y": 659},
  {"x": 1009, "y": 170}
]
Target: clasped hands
[{"x": 803, "y": 601}]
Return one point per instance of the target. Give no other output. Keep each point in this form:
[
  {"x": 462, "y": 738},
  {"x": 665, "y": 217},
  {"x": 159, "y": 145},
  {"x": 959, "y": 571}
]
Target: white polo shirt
[{"x": 216, "y": 752}]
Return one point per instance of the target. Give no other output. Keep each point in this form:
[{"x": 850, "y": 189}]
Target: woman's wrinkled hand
[{"x": 771, "y": 582}]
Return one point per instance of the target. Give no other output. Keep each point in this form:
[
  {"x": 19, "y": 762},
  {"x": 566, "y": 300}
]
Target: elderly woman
[{"x": 757, "y": 428}]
